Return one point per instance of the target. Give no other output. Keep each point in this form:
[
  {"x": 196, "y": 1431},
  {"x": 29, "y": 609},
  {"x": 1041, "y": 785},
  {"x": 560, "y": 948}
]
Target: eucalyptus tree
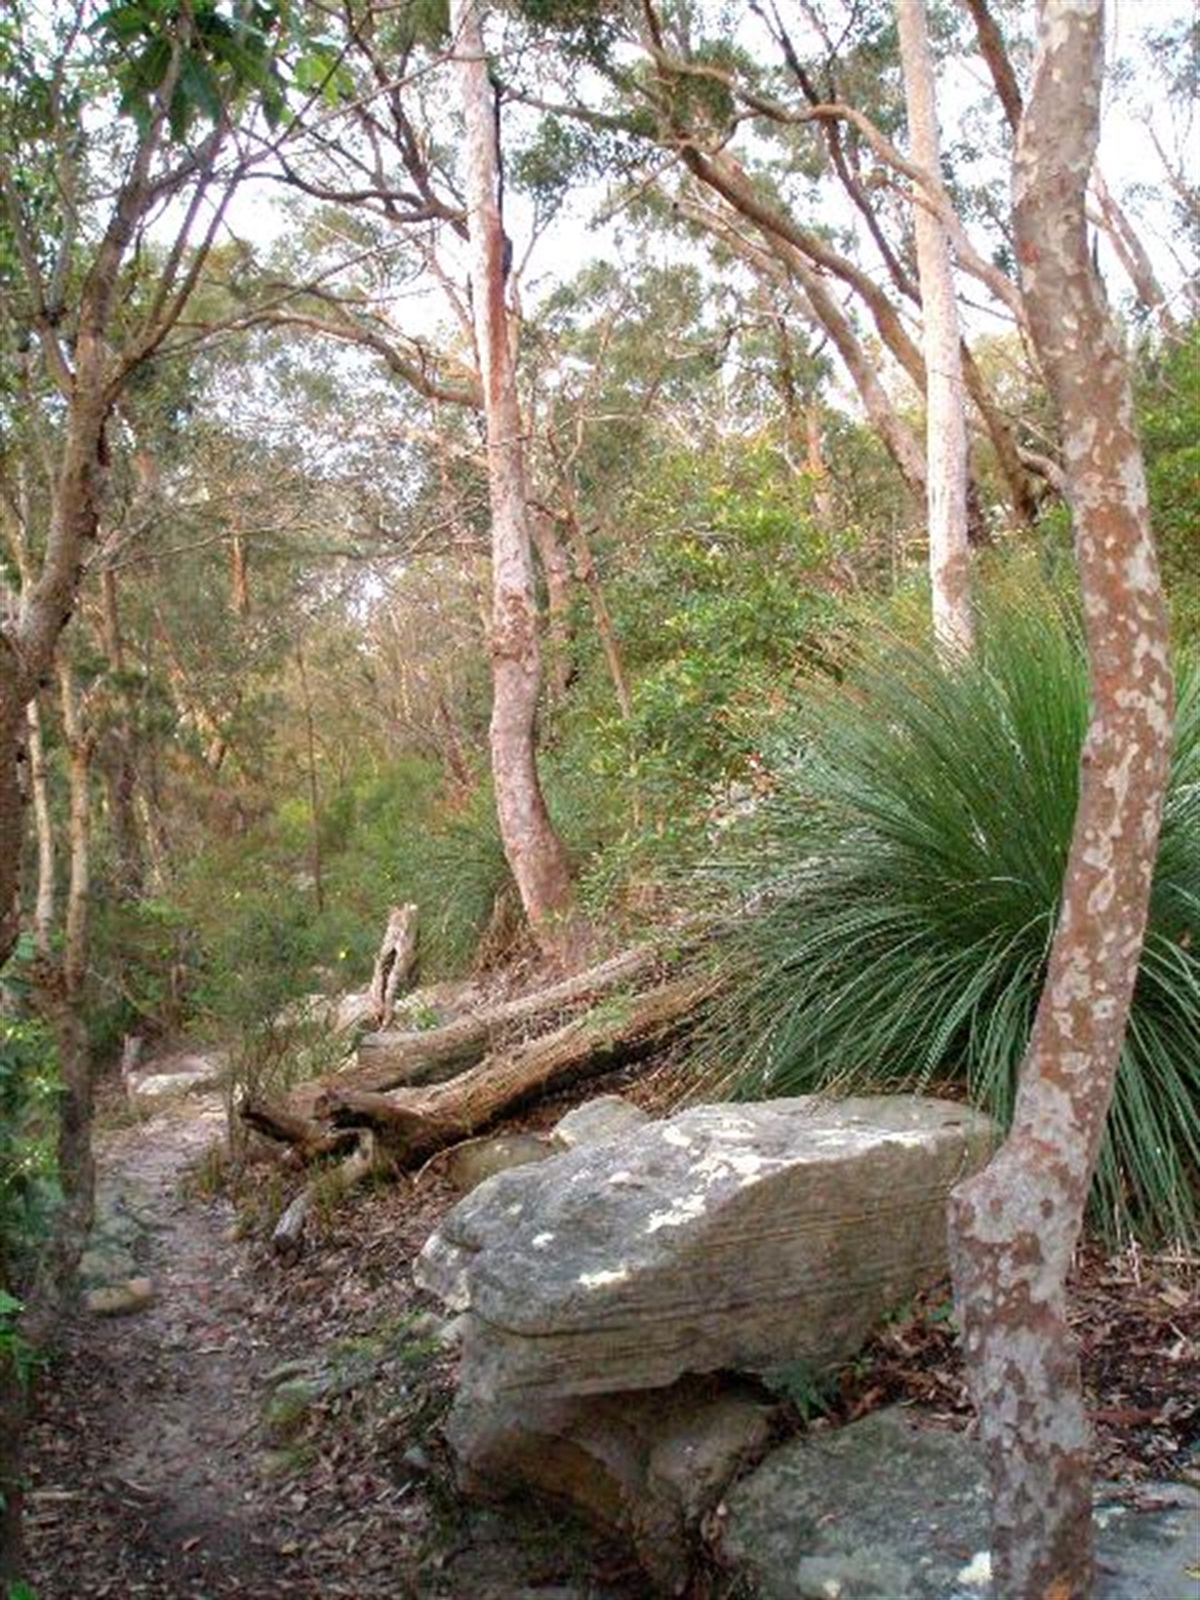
[
  {"x": 945, "y": 419},
  {"x": 118, "y": 120},
  {"x": 1015, "y": 1226},
  {"x": 388, "y": 163},
  {"x": 783, "y": 135},
  {"x": 533, "y": 849},
  {"x": 755, "y": 136}
]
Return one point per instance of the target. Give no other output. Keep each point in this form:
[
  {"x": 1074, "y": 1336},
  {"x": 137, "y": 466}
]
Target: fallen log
[
  {"x": 287, "y": 1126},
  {"x": 415, "y": 1122},
  {"x": 391, "y": 1059},
  {"x": 287, "y": 1241}
]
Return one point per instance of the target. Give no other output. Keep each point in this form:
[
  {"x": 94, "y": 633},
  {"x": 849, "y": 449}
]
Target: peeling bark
[
  {"x": 531, "y": 846},
  {"x": 395, "y": 963},
  {"x": 1013, "y": 1228}
]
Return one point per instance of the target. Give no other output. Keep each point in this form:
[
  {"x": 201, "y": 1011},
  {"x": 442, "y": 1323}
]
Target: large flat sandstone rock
[
  {"x": 725, "y": 1238},
  {"x": 891, "y": 1508}
]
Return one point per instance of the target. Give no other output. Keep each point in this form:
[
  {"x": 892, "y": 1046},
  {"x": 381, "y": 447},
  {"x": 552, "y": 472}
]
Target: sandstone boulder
[
  {"x": 736, "y": 1238},
  {"x": 608, "y": 1116},
  {"x": 120, "y": 1299},
  {"x": 891, "y": 1508},
  {"x": 648, "y": 1466},
  {"x": 179, "y": 1074},
  {"x": 476, "y": 1160}
]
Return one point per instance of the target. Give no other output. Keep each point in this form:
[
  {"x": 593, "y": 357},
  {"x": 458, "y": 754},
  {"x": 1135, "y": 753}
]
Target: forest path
[
  {"x": 169, "y": 1460},
  {"x": 148, "y": 1478}
]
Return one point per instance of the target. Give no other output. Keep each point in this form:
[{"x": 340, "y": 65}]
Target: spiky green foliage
[{"x": 909, "y": 865}]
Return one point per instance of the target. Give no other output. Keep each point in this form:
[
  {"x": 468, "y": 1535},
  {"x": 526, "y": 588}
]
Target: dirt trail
[
  {"x": 149, "y": 1481},
  {"x": 157, "y": 1472}
]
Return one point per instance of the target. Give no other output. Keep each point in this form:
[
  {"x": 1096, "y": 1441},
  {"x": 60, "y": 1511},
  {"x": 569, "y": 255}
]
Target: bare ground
[{"x": 180, "y": 1453}]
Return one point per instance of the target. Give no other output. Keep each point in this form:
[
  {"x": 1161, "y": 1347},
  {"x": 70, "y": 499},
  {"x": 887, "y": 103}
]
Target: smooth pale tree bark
[
  {"x": 1014, "y": 1227},
  {"x": 531, "y": 846},
  {"x": 945, "y": 414},
  {"x": 39, "y": 792}
]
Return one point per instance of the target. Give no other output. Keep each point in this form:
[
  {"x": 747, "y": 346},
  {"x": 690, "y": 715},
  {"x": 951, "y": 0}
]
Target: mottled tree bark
[
  {"x": 945, "y": 414},
  {"x": 1014, "y": 1227},
  {"x": 531, "y": 846}
]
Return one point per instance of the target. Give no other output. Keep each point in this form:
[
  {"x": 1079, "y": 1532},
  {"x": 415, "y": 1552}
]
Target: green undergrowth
[
  {"x": 908, "y": 866},
  {"x": 29, "y": 1084}
]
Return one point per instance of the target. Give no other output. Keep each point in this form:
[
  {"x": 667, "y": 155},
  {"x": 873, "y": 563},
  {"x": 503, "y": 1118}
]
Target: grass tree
[{"x": 907, "y": 868}]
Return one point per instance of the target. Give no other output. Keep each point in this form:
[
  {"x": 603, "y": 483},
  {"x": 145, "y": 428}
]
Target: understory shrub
[
  {"x": 906, "y": 871},
  {"x": 28, "y": 1125}
]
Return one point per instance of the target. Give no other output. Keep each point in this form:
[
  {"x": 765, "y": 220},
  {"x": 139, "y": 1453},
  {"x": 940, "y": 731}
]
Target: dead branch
[
  {"x": 287, "y": 1241},
  {"x": 389, "y": 1060},
  {"x": 415, "y": 1122}
]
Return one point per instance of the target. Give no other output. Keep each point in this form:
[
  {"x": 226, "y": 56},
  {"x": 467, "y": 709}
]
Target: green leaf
[{"x": 197, "y": 88}]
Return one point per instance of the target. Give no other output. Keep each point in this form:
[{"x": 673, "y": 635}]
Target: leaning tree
[{"x": 1014, "y": 1227}]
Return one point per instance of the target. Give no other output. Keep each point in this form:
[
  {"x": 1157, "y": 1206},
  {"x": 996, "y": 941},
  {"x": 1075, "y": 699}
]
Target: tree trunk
[
  {"x": 1014, "y": 1227},
  {"x": 395, "y": 963},
  {"x": 120, "y": 752},
  {"x": 1021, "y": 496},
  {"x": 897, "y": 437},
  {"x": 945, "y": 424},
  {"x": 314, "y": 792},
  {"x": 43, "y": 915},
  {"x": 239, "y": 577},
  {"x": 556, "y": 570},
  {"x": 814, "y": 465},
  {"x": 532, "y": 848},
  {"x": 47, "y": 604},
  {"x": 1132, "y": 254},
  {"x": 589, "y": 577},
  {"x": 79, "y": 743}
]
